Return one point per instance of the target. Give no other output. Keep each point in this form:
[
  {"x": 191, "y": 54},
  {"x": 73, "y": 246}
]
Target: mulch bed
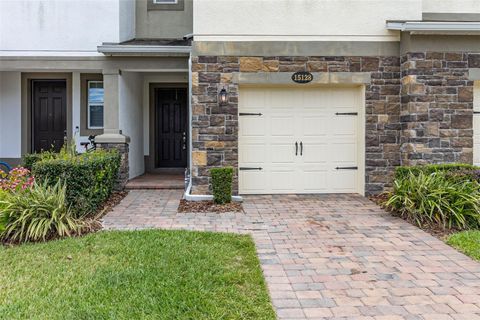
[
  {"x": 432, "y": 229},
  {"x": 208, "y": 206}
]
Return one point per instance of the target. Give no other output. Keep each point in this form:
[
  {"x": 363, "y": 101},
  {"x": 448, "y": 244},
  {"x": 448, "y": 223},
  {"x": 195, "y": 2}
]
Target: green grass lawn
[
  {"x": 468, "y": 242},
  {"x": 135, "y": 275}
]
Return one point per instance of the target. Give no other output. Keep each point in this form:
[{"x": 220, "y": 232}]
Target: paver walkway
[{"x": 331, "y": 256}]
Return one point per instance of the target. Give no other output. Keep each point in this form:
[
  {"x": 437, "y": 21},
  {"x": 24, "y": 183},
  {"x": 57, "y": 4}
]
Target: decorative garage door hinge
[
  {"x": 346, "y": 113},
  {"x": 249, "y": 168},
  {"x": 249, "y": 114},
  {"x": 476, "y": 112},
  {"x": 346, "y": 168}
]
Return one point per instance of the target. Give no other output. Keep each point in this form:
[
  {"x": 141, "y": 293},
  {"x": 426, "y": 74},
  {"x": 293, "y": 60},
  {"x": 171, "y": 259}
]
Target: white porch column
[
  {"x": 112, "y": 137},
  {"x": 111, "y": 114}
]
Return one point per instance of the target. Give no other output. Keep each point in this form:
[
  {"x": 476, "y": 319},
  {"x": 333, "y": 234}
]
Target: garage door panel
[
  {"x": 253, "y": 127},
  {"x": 344, "y": 125},
  {"x": 315, "y": 153},
  {"x": 315, "y": 181},
  {"x": 281, "y": 126},
  {"x": 281, "y": 99},
  {"x": 283, "y": 180},
  {"x": 282, "y": 153},
  {"x": 252, "y": 182},
  {"x": 314, "y": 126},
  {"x": 314, "y": 98},
  {"x": 343, "y": 97},
  {"x": 340, "y": 181},
  {"x": 344, "y": 152},
  {"x": 252, "y": 153},
  {"x": 256, "y": 97}
]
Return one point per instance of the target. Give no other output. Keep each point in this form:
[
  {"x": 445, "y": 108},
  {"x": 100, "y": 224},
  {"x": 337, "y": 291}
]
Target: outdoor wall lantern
[{"x": 223, "y": 97}]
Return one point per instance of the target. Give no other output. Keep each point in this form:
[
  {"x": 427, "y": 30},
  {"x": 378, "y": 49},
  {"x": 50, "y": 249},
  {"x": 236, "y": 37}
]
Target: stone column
[
  {"x": 437, "y": 105},
  {"x": 112, "y": 137}
]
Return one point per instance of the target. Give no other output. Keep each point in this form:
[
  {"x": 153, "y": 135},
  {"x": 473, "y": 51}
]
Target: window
[
  {"x": 95, "y": 104},
  {"x": 165, "y": 1}
]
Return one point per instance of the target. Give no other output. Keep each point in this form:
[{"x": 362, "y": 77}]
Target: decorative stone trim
[{"x": 269, "y": 78}]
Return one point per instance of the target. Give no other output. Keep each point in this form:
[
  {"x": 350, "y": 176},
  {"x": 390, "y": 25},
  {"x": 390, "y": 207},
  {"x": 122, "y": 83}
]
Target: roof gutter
[
  {"x": 114, "y": 49},
  {"x": 439, "y": 26}
]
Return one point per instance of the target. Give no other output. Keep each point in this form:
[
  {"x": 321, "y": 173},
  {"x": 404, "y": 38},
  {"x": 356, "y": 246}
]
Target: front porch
[
  {"x": 157, "y": 181},
  {"x": 127, "y": 110}
]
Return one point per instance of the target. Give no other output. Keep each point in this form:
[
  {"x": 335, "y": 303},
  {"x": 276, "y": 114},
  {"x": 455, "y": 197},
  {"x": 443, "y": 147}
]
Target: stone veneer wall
[
  {"x": 215, "y": 128},
  {"x": 437, "y": 107},
  {"x": 123, "y": 150}
]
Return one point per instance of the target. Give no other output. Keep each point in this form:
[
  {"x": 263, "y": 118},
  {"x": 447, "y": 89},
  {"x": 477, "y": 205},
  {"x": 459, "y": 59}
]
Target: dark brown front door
[
  {"x": 171, "y": 128},
  {"x": 49, "y": 114}
]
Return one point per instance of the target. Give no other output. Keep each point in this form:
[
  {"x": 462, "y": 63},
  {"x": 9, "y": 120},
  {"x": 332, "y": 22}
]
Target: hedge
[
  {"x": 89, "y": 177},
  {"x": 222, "y": 184}
]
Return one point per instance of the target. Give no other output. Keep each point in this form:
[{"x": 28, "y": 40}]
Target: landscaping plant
[
  {"x": 89, "y": 177},
  {"x": 17, "y": 179},
  {"x": 37, "y": 213},
  {"x": 222, "y": 184},
  {"x": 436, "y": 198}
]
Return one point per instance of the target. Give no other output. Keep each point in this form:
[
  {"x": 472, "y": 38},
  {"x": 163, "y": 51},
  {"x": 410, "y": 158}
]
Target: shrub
[
  {"x": 464, "y": 174},
  {"x": 403, "y": 171},
  {"x": 434, "y": 198},
  {"x": 222, "y": 184},
  {"x": 37, "y": 214},
  {"x": 17, "y": 179},
  {"x": 89, "y": 177},
  {"x": 30, "y": 159}
]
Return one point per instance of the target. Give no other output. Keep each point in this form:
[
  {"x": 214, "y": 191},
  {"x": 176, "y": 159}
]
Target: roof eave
[
  {"x": 431, "y": 27},
  {"x": 123, "y": 50}
]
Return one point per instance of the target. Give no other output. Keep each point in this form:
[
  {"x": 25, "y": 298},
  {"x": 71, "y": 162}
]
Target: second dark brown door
[
  {"x": 171, "y": 128},
  {"x": 49, "y": 114}
]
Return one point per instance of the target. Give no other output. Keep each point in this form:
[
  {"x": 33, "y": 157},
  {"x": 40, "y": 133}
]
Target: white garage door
[
  {"x": 476, "y": 123},
  {"x": 305, "y": 140}
]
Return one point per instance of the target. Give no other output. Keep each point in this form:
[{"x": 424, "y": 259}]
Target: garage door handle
[
  {"x": 296, "y": 148},
  {"x": 346, "y": 168},
  {"x": 301, "y": 148},
  {"x": 249, "y": 168}
]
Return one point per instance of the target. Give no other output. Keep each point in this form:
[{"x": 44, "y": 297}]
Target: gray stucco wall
[{"x": 170, "y": 24}]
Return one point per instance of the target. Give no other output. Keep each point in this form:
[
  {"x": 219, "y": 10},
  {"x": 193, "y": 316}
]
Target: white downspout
[{"x": 187, "y": 196}]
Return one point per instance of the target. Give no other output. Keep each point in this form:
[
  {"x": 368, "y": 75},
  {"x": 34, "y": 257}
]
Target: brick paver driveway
[{"x": 325, "y": 256}]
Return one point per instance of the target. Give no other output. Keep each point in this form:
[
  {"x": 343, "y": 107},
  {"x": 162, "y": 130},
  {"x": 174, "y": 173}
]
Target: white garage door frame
[
  {"x": 360, "y": 118},
  {"x": 476, "y": 123}
]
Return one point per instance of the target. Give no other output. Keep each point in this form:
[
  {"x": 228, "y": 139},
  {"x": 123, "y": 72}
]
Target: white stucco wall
[
  {"x": 349, "y": 20},
  {"x": 131, "y": 119},
  {"x": 451, "y": 6},
  {"x": 10, "y": 115},
  {"x": 127, "y": 20},
  {"x": 62, "y": 25}
]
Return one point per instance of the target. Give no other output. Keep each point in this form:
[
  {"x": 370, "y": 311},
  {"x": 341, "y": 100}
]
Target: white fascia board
[
  {"x": 434, "y": 26},
  {"x": 126, "y": 49}
]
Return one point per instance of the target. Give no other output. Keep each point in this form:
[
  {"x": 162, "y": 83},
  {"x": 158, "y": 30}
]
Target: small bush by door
[{"x": 222, "y": 184}]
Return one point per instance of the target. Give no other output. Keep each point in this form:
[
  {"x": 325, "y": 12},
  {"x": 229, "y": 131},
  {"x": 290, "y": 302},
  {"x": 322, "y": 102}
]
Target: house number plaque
[{"x": 302, "y": 77}]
